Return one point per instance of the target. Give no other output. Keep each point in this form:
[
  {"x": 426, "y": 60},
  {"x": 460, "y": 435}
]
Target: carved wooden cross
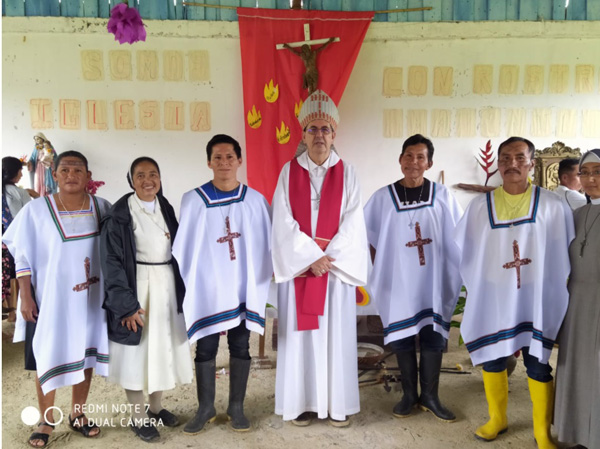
[
  {"x": 517, "y": 263},
  {"x": 419, "y": 243},
  {"x": 308, "y": 56},
  {"x": 229, "y": 239},
  {"x": 89, "y": 281}
]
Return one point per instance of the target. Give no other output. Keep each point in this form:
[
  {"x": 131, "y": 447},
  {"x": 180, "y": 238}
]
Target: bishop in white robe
[{"x": 317, "y": 350}]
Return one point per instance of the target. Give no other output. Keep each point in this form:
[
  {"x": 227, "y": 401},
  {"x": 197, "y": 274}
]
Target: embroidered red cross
[
  {"x": 229, "y": 239},
  {"x": 517, "y": 263},
  {"x": 419, "y": 243},
  {"x": 89, "y": 280}
]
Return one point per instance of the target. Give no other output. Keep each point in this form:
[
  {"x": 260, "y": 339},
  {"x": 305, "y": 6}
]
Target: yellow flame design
[
  {"x": 297, "y": 108},
  {"x": 283, "y": 135},
  {"x": 271, "y": 92},
  {"x": 254, "y": 118},
  {"x": 362, "y": 296}
]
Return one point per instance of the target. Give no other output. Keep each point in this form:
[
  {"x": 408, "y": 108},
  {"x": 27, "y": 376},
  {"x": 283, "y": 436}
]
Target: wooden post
[{"x": 262, "y": 361}]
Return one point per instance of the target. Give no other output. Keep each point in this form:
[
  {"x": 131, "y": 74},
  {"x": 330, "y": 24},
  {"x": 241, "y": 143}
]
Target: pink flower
[
  {"x": 93, "y": 186},
  {"x": 126, "y": 24}
]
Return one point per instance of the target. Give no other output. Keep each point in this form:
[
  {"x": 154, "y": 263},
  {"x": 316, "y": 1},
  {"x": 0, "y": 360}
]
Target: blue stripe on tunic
[
  {"x": 214, "y": 197},
  {"x": 216, "y": 319},
  {"x": 508, "y": 334},
  {"x": 410, "y": 322}
]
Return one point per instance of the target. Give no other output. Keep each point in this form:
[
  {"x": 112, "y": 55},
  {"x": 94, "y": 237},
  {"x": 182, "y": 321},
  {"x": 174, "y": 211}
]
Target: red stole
[{"x": 311, "y": 290}]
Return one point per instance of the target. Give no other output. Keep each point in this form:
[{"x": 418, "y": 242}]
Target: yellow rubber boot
[
  {"x": 496, "y": 393},
  {"x": 542, "y": 397}
]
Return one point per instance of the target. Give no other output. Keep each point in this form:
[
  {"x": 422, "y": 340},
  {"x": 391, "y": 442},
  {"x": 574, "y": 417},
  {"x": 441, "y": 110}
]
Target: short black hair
[
  {"x": 71, "y": 153},
  {"x": 10, "y": 169},
  {"x": 417, "y": 139},
  {"x": 567, "y": 165},
  {"x": 510, "y": 140},
  {"x": 223, "y": 138}
]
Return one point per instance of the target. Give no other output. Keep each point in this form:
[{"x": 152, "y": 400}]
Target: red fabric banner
[
  {"x": 311, "y": 290},
  {"x": 272, "y": 79}
]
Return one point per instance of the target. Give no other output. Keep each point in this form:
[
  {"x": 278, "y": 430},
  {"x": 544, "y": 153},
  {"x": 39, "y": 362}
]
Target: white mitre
[{"x": 319, "y": 106}]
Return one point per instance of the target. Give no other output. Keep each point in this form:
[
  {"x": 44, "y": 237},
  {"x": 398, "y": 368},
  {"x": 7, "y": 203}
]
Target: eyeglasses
[
  {"x": 588, "y": 174},
  {"x": 326, "y": 130}
]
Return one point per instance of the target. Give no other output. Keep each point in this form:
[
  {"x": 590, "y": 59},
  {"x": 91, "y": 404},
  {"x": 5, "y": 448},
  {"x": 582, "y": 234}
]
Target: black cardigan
[{"x": 118, "y": 258}]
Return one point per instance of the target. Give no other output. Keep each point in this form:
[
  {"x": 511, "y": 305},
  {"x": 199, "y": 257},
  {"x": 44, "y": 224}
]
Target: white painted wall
[{"x": 41, "y": 59}]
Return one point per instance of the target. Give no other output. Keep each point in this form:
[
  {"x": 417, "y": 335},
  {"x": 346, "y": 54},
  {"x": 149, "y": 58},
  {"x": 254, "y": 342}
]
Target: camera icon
[{"x": 30, "y": 415}]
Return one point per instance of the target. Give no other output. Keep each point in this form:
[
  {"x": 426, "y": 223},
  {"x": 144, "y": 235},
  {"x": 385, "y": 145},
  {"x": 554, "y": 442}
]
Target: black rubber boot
[
  {"x": 238, "y": 380},
  {"x": 407, "y": 362},
  {"x": 431, "y": 363},
  {"x": 205, "y": 385}
]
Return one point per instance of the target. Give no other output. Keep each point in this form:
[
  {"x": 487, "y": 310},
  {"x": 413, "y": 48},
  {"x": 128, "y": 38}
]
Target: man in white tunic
[
  {"x": 319, "y": 257},
  {"x": 515, "y": 264},
  {"x": 415, "y": 280},
  {"x": 55, "y": 243},
  {"x": 570, "y": 185},
  {"x": 222, "y": 247}
]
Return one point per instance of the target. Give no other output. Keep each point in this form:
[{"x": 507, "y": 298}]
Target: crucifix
[
  {"x": 419, "y": 243},
  {"x": 310, "y": 79},
  {"x": 229, "y": 239},
  {"x": 89, "y": 280},
  {"x": 517, "y": 263}
]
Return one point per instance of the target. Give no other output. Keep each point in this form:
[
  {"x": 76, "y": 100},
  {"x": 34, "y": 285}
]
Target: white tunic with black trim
[
  {"x": 316, "y": 369},
  {"x": 61, "y": 253},
  {"x": 415, "y": 280},
  {"x": 227, "y": 272},
  {"x": 516, "y": 274}
]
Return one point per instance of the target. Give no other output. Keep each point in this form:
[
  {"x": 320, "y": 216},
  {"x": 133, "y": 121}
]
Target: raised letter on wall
[
  {"x": 174, "y": 118},
  {"x": 392, "y": 81},
  {"x": 558, "y": 82},
  {"x": 199, "y": 65},
  {"x": 40, "y": 110},
  {"x": 443, "y": 81},
  {"x": 509, "y": 79},
  {"x": 441, "y": 122},
  {"x": 149, "y": 115},
  {"x": 124, "y": 114},
  {"x": 173, "y": 65},
  {"x": 482, "y": 79},
  {"x": 516, "y": 120},
  {"x": 465, "y": 122},
  {"x": 541, "y": 122},
  {"x": 393, "y": 123},
  {"x": 591, "y": 123},
  {"x": 416, "y": 121},
  {"x": 566, "y": 120},
  {"x": 147, "y": 65},
  {"x": 120, "y": 65},
  {"x": 200, "y": 116},
  {"x": 534, "y": 81},
  {"x": 490, "y": 122},
  {"x": 92, "y": 65},
  {"x": 70, "y": 114},
  {"x": 584, "y": 79},
  {"x": 96, "y": 115},
  {"x": 417, "y": 80}
]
